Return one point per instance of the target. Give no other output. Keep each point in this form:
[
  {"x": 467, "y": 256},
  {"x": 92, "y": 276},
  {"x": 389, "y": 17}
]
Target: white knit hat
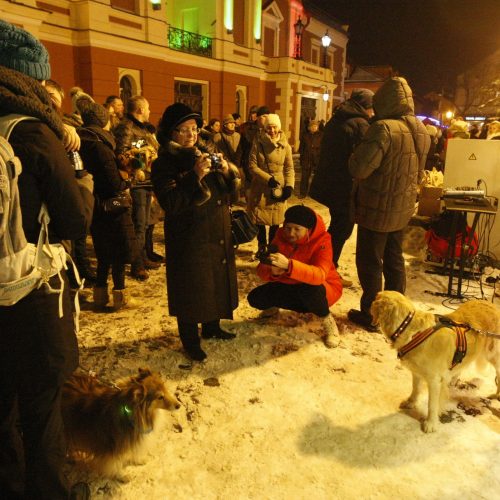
[{"x": 273, "y": 119}]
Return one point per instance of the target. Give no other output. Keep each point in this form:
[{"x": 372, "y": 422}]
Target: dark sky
[{"x": 428, "y": 41}]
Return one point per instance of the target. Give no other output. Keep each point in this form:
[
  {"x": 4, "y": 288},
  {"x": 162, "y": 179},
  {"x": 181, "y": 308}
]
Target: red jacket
[{"x": 311, "y": 261}]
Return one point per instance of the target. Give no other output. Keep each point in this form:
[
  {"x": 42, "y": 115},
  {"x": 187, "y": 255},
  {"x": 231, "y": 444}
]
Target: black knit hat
[
  {"x": 263, "y": 110},
  {"x": 173, "y": 116},
  {"x": 301, "y": 215},
  {"x": 21, "y": 51},
  {"x": 93, "y": 114},
  {"x": 364, "y": 97}
]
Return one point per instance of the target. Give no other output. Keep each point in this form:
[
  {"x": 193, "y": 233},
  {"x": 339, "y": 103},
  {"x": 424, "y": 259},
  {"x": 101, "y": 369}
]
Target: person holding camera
[
  {"x": 273, "y": 177},
  {"x": 194, "y": 185},
  {"x": 299, "y": 271}
]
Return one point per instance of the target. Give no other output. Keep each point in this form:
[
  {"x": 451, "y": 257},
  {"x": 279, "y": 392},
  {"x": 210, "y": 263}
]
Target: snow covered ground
[{"x": 291, "y": 419}]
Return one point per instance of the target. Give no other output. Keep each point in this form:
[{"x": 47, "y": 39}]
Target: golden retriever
[
  {"x": 431, "y": 360},
  {"x": 106, "y": 424}
]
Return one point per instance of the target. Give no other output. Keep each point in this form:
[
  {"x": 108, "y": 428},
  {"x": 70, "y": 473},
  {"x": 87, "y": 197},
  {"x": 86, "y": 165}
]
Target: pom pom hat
[{"x": 21, "y": 51}]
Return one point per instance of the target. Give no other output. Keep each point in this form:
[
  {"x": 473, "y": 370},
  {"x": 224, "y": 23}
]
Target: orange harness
[{"x": 442, "y": 322}]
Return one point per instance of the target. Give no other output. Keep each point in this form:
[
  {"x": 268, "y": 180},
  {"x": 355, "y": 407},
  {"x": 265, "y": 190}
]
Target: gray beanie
[
  {"x": 94, "y": 114},
  {"x": 21, "y": 51},
  {"x": 363, "y": 97}
]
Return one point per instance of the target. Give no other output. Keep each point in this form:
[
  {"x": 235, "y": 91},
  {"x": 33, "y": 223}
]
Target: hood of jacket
[
  {"x": 394, "y": 99},
  {"x": 349, "y": 109},
  {"x": 96, "y": 134}
]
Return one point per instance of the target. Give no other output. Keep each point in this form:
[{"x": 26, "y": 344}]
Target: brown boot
[
  {"x": 139, "y": 273},
  {"x": 149, "y": 264},
  {"x": 101, "y": 296},
  {"x": 122, "y": 299}
]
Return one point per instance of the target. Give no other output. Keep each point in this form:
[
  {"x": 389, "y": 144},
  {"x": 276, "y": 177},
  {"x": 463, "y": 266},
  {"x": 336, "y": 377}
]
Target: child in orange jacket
[{"x": 299, "y": 271}]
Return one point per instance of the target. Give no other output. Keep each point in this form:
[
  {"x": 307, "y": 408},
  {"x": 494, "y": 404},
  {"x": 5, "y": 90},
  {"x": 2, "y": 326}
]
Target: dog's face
[
  {"x": 389, "y": 309},
  {"x": 148, "y": 389}
]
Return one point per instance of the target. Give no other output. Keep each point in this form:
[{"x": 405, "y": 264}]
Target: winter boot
[
  {"x": 212, "y": 330},
  {"x": 149, "y": 248},
  {"x": 122, "y": 299},
  {"x": 362, "y": 319},
  {"x": 332, "y": 338},
  {"x": 101, "y": 296},
  {"x": 188, "y": 332}
]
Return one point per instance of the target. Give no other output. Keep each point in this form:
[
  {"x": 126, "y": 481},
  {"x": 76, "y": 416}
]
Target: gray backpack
[{"x": 24, "y": 266}]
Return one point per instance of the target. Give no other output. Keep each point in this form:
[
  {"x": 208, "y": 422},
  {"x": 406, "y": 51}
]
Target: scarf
[{"x": 23, "y": 95}]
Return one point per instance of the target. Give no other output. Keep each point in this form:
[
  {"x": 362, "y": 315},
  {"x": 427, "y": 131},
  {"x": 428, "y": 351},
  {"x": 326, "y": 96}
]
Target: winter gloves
[
  {"x": 273, "y": 183},
  {"x": 287, "y": 192}
]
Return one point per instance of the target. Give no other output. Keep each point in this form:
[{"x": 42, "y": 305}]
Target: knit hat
[
  {"x": 263, "y": 110},
  {"x": 93, "y": 114},
  {"x": 79, "y": 99},
  {"x": 363, "y": 97},
  {"x": 21, "y": 51},
  {"x": 228, "y": 119},
  {"x": 174, "y": 115},
  {"x": 301, "y": 215},
  {"x": 273, "y": 119}
]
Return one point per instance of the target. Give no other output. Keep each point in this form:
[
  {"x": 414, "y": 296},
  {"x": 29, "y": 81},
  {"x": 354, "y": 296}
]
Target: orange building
[{"x": 218, "y": 56}]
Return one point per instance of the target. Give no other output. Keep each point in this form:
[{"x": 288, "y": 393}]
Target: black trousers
[
  {"x": 340, "y": 230},
  {"x": 379, "y": 254},
  {"x": 188, "y": 332},
  {"x": 261, "y": 235},
  {"x": 301, "y": 298}
]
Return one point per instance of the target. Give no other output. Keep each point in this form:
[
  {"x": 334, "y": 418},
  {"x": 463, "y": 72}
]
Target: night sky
[{"x": 429, "y": 42}]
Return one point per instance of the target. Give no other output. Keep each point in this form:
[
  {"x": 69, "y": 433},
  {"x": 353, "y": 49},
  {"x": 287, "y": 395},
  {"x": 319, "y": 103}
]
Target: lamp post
[
  {"x": 325, "y": 41},
  {"x": 299, "y": 28}
]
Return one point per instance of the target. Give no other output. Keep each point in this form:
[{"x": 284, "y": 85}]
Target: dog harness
[{"x": 460, "y": 330}]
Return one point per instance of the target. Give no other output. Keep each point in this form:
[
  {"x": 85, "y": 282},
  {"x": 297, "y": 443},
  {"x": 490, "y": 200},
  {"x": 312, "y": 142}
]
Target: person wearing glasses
[{"x": 194, "y": 185}]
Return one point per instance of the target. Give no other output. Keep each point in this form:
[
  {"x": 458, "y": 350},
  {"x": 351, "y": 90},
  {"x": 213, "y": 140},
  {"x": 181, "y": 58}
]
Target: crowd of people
[{"x": 105, "y": 170}]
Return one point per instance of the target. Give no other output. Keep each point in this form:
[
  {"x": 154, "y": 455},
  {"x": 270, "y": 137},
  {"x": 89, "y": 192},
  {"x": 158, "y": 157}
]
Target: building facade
[{"x": 218, "y": 56}]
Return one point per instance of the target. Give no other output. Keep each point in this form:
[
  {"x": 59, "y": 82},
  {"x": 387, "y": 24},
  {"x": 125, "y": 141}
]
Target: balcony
[{"x": 185, "y": 41}]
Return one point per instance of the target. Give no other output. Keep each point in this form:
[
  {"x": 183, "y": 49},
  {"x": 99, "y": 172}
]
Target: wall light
[{"x": 156, "y": 4}]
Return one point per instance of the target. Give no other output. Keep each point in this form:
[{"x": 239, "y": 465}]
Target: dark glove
[
  {"x": 273, "y": 183},
  {"x": 287, "y": 192}
]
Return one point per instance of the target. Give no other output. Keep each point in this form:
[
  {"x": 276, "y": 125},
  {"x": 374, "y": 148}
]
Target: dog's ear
[{"x": 137, "y": 394}]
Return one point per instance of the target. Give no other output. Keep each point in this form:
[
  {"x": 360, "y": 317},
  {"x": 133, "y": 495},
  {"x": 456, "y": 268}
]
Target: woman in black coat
[
  {"x": 113, "y": 234},
  {"x": 195, "y": 191}
]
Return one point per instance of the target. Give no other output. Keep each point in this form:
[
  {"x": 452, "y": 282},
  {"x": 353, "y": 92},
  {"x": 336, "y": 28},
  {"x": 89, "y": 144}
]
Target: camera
[
  {"x": 264, "y": 253},
  {"x": 216, "y": 162}
]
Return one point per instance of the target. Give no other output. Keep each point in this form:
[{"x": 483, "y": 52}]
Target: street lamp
[
  {"x": 326, "y": 41},
  {"x": 299, "y": 28}
]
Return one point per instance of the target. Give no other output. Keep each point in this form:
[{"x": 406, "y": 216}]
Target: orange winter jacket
[{"x": 311, "y": 261}]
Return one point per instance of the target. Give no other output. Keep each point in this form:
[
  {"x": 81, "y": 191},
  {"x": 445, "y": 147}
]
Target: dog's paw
[
  {"x": 429, "y": 426},
  {"x": 407, "y": 404}
]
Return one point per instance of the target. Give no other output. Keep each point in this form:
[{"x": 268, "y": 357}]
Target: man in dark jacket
[
  {"x": 387, "y": 167},
  {"x": 136, "y": 146},
  {"x": 332, "y": 183},
  {"x": 38, "y": 347}
]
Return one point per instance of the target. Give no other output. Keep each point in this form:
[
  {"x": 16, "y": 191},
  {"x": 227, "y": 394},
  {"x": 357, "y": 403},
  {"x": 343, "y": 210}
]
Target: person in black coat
[
  {"x": 113, "y": 234},
  {"x": 332, "y": 183},
  {"x": 38, "y": 346},
  {"x": 195, "y": 189}
]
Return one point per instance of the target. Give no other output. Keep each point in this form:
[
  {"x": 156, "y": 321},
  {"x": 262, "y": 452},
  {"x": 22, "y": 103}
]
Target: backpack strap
[{"x": 8, "y": 122}]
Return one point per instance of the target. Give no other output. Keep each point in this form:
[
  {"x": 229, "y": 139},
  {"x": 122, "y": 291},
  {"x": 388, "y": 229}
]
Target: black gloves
[
  {"x": 273, "y": 183},
  {"x": 287, "y": 192}
]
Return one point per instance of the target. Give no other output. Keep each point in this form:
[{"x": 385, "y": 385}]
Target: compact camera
[
  {"x": 216, "y": 162},
  {"x": 264, "y": 254}
]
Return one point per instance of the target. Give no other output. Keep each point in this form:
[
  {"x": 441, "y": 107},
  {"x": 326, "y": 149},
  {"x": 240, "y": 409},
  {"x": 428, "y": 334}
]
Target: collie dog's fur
[
  {"x": 105, "y": 424},
  {"x": 431, "y": 360}
]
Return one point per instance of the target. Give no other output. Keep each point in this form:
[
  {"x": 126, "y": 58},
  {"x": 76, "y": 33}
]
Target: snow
[{"x": 292, "y": 419}]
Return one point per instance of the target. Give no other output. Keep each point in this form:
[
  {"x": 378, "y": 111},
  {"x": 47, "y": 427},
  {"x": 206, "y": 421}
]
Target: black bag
[
  {"x": 243, "y": 229},
  {"x": 117, "y": 204}
]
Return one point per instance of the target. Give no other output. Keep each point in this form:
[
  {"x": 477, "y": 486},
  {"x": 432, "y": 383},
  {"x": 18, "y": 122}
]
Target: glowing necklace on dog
[
  {"x": 128, "y": 413},
  {"x": 401, "y": 328}
]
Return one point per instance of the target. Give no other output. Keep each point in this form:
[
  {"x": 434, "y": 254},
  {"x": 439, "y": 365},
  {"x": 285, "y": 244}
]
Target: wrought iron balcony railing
[{"x": 186, "y": 41}]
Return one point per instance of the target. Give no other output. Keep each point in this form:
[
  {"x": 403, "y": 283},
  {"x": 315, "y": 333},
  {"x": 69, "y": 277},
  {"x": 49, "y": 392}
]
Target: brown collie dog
[{"x": 105, "y": 425}]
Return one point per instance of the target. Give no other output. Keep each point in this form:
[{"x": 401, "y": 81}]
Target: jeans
[
  {"x": 141, "y": 205},
  {"x": 379, "y": 254},
  {"x": 301, "y": 298}
]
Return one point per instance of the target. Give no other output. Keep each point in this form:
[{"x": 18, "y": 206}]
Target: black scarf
[{"x": 24, "y": 95}]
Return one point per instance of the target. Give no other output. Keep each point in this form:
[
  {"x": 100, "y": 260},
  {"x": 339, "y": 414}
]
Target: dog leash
[{"x": 451, "y": 323}]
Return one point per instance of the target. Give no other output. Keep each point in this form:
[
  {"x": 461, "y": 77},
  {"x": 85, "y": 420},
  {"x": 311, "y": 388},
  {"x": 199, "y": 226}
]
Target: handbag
[
  {"x": 242, "y": 228},
  {"x": 116, "y": 205}
]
